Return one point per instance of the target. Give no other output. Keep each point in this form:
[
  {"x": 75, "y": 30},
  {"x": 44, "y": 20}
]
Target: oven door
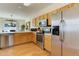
[{"x": 40, "y": 39}]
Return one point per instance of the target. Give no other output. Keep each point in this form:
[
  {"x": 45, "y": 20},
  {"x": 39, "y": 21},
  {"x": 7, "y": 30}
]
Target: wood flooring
[{"x": 29, "y": 49}]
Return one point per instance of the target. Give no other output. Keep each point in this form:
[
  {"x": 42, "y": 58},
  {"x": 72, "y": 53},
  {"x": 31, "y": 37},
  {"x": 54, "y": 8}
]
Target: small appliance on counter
[
  {"x": 33, "y": 29},
  {"x": 12, "y": 30}
]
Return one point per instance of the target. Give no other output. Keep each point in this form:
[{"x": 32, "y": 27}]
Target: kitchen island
[{"x": 8, "y": 39}]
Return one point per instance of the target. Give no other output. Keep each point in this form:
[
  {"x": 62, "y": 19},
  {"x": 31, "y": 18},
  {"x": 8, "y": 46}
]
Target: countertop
[
  {"x": 47, "y": 34},
  {"x": 15, "y": 32},
  {"x": 22, "y": 32}
]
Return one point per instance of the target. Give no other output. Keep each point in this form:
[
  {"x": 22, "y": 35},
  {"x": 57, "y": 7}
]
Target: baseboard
[{"x": 22, "y": 43}]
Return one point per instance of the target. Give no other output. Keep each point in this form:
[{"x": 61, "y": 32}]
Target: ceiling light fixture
[{"x": 27, "y": 4}]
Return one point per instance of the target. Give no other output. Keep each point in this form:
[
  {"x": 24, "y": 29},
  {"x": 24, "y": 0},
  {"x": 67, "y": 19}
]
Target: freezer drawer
[{"x": 56, "y": 46}]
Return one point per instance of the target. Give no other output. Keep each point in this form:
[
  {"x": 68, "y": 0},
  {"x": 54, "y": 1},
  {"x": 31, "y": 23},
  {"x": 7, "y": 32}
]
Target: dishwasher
[
  {"x": 3, "y": 40},
  {"x": 6, "y": 40}
]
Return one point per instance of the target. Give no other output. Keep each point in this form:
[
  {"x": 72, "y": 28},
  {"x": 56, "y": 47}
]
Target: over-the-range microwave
[{"x": 43, "y": 23}]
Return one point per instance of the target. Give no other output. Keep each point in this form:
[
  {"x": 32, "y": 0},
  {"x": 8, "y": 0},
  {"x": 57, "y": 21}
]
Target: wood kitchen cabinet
[
  {"x": 33, "y": 22},
  {"x": 37, "y": 22},
  {"x": 49, "y": 17},
  {"x": 20, "y": 38},
  {"x": 47, "y": 42},
  {"x": 41, "y": 17},
  {"x": 45, "y": 16},
  {"x": 34, "y": 37}
]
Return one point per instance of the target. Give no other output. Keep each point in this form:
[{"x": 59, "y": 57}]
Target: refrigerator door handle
[
  {"x": 62, "y": 32},
  {"x": 61, "y": 29}
]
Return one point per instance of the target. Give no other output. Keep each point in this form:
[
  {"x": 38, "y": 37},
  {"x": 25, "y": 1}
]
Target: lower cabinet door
[
  {"x": 20, "y": 38},
  {"x": 47, "y": 42}
]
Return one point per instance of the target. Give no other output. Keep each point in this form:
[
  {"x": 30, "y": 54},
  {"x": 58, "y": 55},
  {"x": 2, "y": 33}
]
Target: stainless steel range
[{"x": 40, "y": 39}]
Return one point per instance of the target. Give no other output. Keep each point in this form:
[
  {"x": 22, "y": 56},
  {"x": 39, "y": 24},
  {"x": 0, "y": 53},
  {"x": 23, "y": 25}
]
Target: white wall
[
  {"x": 15, "y": 16},
  {"x": 19, "y": 23}
]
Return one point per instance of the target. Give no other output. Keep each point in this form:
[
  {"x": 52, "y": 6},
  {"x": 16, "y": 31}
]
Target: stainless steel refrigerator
[{"x": 65, "y": 33}]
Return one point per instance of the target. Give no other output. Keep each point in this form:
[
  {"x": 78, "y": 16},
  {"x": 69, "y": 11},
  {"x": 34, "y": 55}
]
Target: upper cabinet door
[
  {"x": 49, "y": 15},
  {"x": 33, "y": 22},
  {"x": 41, "y": 17},
  {"x": 45, "y": 16},
  {"x": 37, "y": 22}
]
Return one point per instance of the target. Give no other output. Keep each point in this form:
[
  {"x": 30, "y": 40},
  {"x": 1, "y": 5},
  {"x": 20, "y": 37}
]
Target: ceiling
[{"x": 19, "y": 11}]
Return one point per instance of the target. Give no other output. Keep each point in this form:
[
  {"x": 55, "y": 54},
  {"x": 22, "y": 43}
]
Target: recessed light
[
  {"x": 27, "y": 4},
  {"x": 19, "y": 7}
]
